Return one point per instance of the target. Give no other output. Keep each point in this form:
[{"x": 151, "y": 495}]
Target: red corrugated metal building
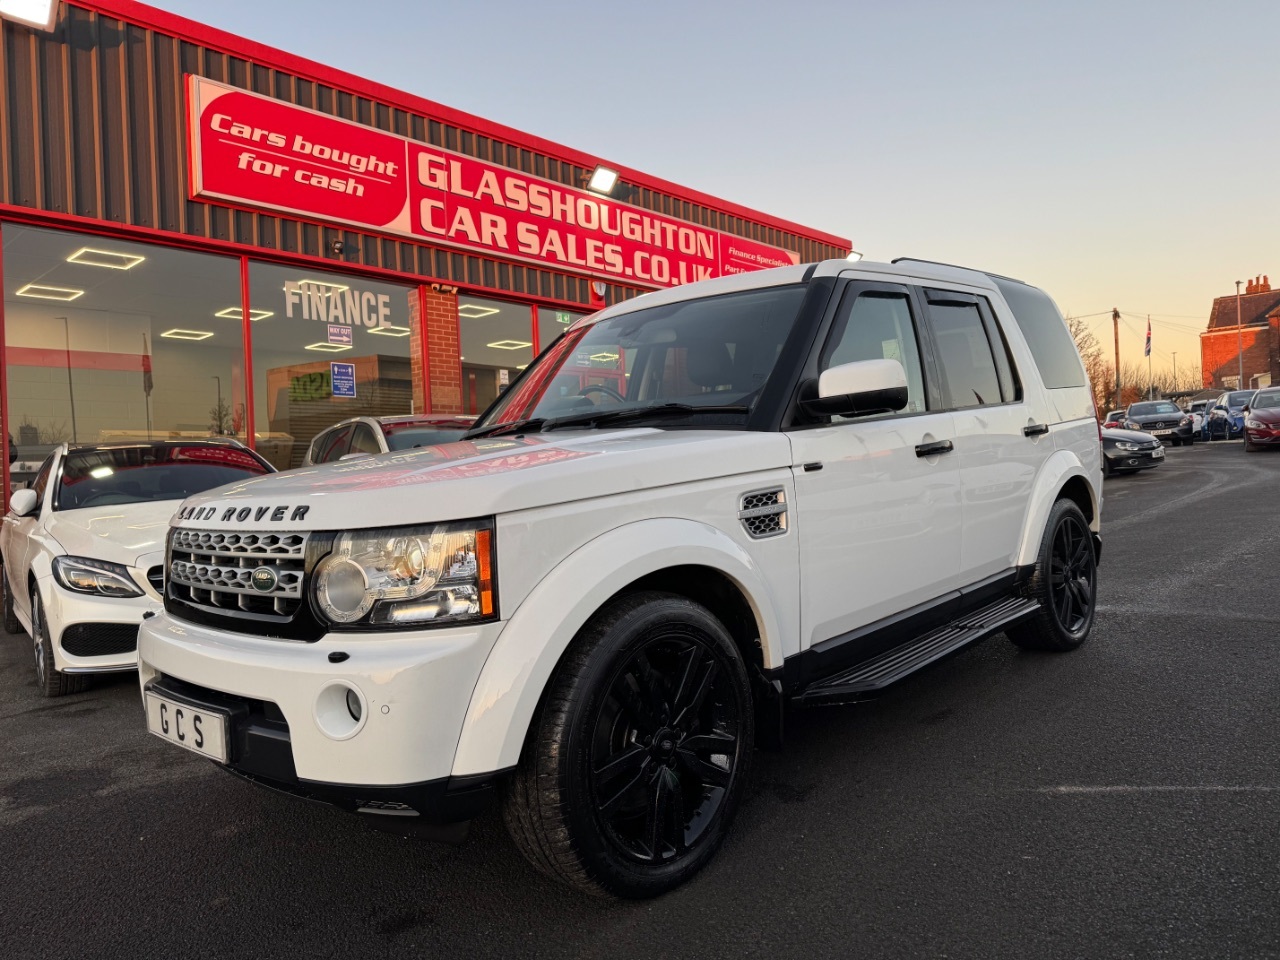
[{"x": 204, "y": 234}]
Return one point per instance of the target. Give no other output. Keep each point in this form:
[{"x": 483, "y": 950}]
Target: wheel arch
[
  {"x": 1063, "y": 475},
  {"x": 677, "y": 556}
]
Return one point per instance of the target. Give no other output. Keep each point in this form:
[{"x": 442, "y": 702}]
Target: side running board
[{"x": 874, "y": 676}]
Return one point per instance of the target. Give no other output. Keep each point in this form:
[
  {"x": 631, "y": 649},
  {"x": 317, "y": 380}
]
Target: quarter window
[
  {"x": 333, "y": 445},
  {"x": 964, "y": 352},
  {"x": 875, "y": 325}
]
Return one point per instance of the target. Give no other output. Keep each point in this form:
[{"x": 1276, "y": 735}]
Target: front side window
[
  {"x": 333, "y": 444},
  {"x": 877, "y": 326},
  {"x": 964, "y": 352},
  {"x": 363, "y": 440},
  {"x": 150, "y": 472},
  {"x": 667, "y": 361}
]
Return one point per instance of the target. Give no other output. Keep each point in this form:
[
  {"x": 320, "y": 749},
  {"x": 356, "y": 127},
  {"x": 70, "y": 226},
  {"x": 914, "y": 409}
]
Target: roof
[{"x": 1254, "y": 309}]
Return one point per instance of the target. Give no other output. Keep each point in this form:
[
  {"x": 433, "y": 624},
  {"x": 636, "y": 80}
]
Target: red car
[{"x": 1262, "y": 420}]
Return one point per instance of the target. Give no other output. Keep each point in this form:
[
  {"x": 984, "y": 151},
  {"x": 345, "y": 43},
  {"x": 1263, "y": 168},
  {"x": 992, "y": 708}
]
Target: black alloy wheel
[
  {"x": 51, "y": 681},
  {"x": 663, "y": 748},
  {"x": 1065, "y": 581},
  {"x": 638, "y": 757}
]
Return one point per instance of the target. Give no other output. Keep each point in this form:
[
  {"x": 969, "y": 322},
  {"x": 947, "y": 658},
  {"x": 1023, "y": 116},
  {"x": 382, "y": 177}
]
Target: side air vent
[{"x": 764, "y": 513}]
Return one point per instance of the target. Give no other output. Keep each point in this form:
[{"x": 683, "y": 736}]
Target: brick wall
[
  {"x": 1219, "y": 354},
  {"x": 443, "y": 351}
]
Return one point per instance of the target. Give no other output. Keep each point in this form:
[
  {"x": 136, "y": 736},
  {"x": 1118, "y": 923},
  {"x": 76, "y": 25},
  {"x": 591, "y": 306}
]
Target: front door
[
  {"x": 18, "y": 533},
  {"x": 878, "y": 522}
]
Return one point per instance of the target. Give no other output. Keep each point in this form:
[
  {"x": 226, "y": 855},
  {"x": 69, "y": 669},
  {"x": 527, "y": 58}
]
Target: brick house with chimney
[{"x": 1258, "y": 332}]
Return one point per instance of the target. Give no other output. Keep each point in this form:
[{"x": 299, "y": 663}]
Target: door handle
[
  {"x": 933, "y": 449},
  {"x": 1035, "y": 430}
]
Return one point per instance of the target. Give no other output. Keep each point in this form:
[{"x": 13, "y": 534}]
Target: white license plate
[
  {"x": 200, "y": 731},
  {"x": 1161, "y": 433},
  {"x": 1157, "y": 453}
]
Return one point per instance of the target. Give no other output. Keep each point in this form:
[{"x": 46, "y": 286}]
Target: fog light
[
  {"x": 353, "y": 705},
  {"x": 339, "y": 710}
]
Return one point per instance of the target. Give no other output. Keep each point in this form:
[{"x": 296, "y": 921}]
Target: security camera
[{"x": 336, "y": 247}]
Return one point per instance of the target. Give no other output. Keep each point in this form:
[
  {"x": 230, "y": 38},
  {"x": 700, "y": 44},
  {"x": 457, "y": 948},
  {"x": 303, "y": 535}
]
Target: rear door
[{"x": 999, "y": 439}]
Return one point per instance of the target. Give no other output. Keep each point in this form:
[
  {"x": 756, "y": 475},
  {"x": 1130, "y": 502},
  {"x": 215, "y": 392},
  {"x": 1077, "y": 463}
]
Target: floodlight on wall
[
  {"x": 389, "y": 331},
  {"x": 328, "y": 347},
  {"x": 473, "y": 311},
  {"x": 40, "y": 291},
  {"x": 509, "y": 344},
  {"x": 177, "y": 333},
  {"x": 854, "y": 256},
  {"x": 111, "y": 259},
  {"x": 235, "y": 313},
  {"x": 40, "y": 14},
  {"x": 602, "y": 181}
]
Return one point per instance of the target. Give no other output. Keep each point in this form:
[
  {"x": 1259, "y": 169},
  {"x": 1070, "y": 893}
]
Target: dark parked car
[
  {"x": 1161, "y": 418},
  {"x": 368, "y": 436},
  {"x": 1114, "y": 419},
  {"x": 1128, "y": 451},
  {"x": 1262, "y": 420}
]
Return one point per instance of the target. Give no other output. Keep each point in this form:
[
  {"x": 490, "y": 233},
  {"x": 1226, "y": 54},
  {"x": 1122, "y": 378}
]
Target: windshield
[
  {"x": 1153, "y": 409},
  {"x": 406, "y": 438},
  {"x": 710, "y": 352},
  {"x": 1266, "y": 400},
  {"x": 1239, "y": 398},
  {"x": 99, "y": 478}
]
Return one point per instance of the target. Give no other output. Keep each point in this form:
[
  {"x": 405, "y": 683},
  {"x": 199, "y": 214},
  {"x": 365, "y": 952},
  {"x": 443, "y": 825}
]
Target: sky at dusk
[{"x": 1114, "y": 153}]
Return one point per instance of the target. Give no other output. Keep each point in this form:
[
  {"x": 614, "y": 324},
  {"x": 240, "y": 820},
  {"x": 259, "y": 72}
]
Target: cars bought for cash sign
[{"x": 255, "y": 150}]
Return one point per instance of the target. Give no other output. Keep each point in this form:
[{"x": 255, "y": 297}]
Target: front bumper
[
  {"x": 1262, "y": 438},
  {"x": 416, "y": 687},
  {"x": 100, "y": 633},
  {"x": 1121, "y": 460}
]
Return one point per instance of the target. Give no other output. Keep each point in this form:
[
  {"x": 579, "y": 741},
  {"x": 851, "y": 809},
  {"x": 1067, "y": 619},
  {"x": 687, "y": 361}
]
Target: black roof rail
[{"x": 956, "y": 266}]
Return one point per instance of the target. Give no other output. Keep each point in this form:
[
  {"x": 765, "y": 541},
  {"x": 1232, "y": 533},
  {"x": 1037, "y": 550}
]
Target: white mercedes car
[{"x": 83, "y": 548}]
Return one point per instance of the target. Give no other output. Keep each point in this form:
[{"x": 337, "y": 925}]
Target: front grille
[
  {"x": 155, "y": 577},
  {"x": 764, "y": 513},
  {"x": 99, "y": 639},
  {"x": 258, "y": 573}
]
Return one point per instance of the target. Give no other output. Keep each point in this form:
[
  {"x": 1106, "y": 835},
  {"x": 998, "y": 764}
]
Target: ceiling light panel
[
  {"x": 389, "y": 331},
  {"x": 328, "y": 347},
  {"x": 473, "y": 311},
  {"x": 177, "y": 333},
  {"x": 40, "y": 291},
  {"x": 509, "y": 344},
  {"x": 111, "y": 259},
  {"x": 235, "y": 313}
]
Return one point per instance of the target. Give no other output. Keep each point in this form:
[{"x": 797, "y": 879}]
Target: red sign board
[{"x": 250, "y": 149}]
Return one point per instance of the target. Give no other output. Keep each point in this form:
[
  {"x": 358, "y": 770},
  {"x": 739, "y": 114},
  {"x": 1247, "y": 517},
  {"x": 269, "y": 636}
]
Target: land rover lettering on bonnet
[
  {"x": 258, "y": 514},
  {"x": 795, "y": 485}
]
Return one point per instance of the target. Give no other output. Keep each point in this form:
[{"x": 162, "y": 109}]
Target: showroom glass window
[
  {"x": 107, "y": 340},
  {"x": 552, "y": 323},
  {"x": 326, "y": 347},
  {"x": 497, "y": 343}
]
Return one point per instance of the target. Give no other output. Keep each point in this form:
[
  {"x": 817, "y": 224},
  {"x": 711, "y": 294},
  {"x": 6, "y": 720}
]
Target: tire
[
  {"x": 1069, "y": 605},
  {"x": 51, "y": 681},
  {"x": 1177, "y": 442},
  {"x": 10, "y": 619},
  {"x": 1250, "y": 447},
  {"x": 652, "y": 685}
]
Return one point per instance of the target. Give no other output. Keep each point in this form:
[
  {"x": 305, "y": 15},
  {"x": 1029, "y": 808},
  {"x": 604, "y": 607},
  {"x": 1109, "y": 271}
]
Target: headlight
[
  {"x": 1255, "y": 424},
  {"x": 1126, "y": 445},
  {"x": 1184, "y": 421},
  {"x": 408, "y": 575},
  {"x": 98, "y": 577}
]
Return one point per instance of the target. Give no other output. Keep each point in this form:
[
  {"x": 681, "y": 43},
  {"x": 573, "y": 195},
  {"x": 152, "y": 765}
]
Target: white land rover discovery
[{"x": 801, "y": 484}]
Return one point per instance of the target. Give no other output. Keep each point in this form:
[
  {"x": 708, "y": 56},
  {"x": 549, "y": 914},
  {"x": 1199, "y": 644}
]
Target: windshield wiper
[
  {"x": 597, "y": 417},
  {"x": 515, "y": 426}
]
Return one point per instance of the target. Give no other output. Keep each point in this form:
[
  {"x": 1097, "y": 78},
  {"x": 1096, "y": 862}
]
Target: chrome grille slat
[{"x": 215, "y": 569}]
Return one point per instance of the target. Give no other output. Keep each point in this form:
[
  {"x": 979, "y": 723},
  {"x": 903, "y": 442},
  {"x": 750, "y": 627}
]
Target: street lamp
[{"x": 1239, "y": 337}]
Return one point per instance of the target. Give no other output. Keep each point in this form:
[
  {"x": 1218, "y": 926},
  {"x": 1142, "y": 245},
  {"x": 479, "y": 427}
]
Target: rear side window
[
  {"x": 964, "y": 352},
  {"x": 1046, "y": 334}
]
